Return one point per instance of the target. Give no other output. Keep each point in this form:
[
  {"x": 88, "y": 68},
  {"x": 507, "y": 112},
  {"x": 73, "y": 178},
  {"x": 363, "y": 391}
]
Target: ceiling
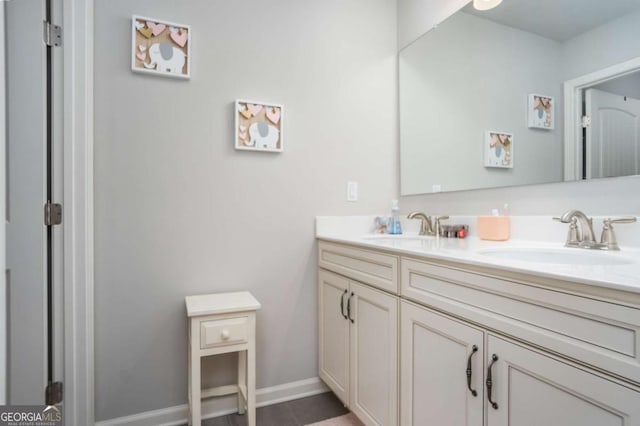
[{"x": 559, "y": 20}]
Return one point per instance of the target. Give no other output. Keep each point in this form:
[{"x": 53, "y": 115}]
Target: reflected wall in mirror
[{"x": 474, "y": 74}]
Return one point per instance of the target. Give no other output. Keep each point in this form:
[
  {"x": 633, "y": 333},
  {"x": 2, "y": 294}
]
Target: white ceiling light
[{"x": 485, "y": 4}]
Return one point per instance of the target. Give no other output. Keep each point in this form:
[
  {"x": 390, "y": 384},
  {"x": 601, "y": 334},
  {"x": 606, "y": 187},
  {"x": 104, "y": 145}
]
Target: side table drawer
[{"x": 222, "y": 332}]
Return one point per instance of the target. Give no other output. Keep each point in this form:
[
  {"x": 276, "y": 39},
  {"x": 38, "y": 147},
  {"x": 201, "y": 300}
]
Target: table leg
[
  {"x": 251, "y": 384},
  {"x": 242, "y": 380},
  {"x": 195, "y": 387},
  {"x": 189, "y": 379}
]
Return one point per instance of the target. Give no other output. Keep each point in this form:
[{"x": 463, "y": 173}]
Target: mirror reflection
[{"x": 482, "y": 96}]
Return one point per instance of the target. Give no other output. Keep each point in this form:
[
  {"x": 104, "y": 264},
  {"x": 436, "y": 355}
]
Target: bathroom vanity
[{"x": 428, "y": 331}]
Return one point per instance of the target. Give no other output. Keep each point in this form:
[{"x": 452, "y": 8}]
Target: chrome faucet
[
  {"x": 438, "y": 227},
  {"x": 426, "y": 226},
  {"x": 584, "y": 236}
]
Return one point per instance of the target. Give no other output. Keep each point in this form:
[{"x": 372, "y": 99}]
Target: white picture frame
[
  {"x": 498, "y": 149},
  {"x": 541, "y": 111},
  {"x": 160, "y": 47},
  {"x": 259, "y": 126}
]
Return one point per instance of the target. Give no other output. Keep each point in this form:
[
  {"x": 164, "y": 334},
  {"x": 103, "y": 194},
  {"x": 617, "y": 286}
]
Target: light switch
[{"x": 352, "y": 191}]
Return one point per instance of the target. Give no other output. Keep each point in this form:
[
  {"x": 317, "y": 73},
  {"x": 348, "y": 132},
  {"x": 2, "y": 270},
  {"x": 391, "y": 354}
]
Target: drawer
[
  {"x": 229, "y": 331},
  {"x": 369, "y": 267},
  {"x": 599, "y": 333}
]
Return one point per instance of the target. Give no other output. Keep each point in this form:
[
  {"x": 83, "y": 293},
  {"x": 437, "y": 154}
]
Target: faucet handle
[
  {"x": 574, "y": 237},
  {"x": 437, "y": 224},
  {"x": 628, "y": 219},
  {"x": 608, "y": 236}
]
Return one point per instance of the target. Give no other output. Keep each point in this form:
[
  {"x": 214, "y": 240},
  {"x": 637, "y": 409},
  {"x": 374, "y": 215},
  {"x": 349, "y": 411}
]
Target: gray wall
[
  {"x": 606, "y": 45},
  {"x": 599, "y": 197},
  {"x": 469, "y": 76},
  {"x": 415, "y": 17},
  {"x": 178, "y": 211}
]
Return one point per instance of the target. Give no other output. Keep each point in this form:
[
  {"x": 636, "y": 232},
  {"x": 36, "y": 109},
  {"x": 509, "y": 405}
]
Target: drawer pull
[
  {"x": 225, "y": 334},
  {"x": 494, "y": 358},
  {"x": 342, "y": 304},
  {"x": 349, "y": 308},
  {"x": 474, "y": 349}
]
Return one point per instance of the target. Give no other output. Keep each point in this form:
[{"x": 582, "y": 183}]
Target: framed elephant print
[
  {"x": 498, "y": 150},
  {"x": 160, "y": 47},
  {"x": 541, "y": 111},
  {"x": 259, "y": 126}
]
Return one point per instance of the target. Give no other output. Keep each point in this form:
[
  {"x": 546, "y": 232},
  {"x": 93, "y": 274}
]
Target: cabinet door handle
[
  {"x": 342, "y": 304},
  {"x": 494, "y": 358},
  {"x": 349, "y": 308},
  {"x": 474, "y": 349}
]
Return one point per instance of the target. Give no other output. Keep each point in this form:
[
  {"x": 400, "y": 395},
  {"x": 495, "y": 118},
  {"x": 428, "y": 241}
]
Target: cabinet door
[
  {"x": 374, "y": 356},
  {"x": 532, "y": 389},
  {"x": 435, "y": 352},
  {"x": 334, "y": 333}
]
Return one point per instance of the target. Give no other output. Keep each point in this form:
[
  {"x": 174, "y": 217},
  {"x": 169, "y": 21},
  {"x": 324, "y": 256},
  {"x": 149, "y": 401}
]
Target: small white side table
[{"x": 222, "y": 323}]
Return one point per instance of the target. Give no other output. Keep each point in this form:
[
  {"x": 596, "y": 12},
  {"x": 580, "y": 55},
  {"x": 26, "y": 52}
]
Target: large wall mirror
[{"x": 499, "y": 98}]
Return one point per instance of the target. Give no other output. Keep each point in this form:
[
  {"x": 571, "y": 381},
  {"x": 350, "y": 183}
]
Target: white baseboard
[{"x": 221, "y": 406}]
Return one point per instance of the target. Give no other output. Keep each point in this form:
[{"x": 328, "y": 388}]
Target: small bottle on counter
[
  {"x": 454, "y": 231},
  {"x": 395, "y": 227}
]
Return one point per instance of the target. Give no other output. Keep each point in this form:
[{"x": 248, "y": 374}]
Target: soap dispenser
[{"x": 394, "y": 226}]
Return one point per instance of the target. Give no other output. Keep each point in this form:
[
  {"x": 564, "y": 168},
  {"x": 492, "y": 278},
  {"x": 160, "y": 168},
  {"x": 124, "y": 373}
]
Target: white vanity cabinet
[
  {"x": 532, "y": 388},
  {"x": 524, "y": 323},
  {"x": 436, "y": 352},
  {"x": 528, "y": 387},
  {"x": 557, "y": 353},
  {"x": 358, "y": 336}
]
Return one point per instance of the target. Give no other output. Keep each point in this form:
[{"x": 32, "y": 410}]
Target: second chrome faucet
[{"x": 582, "y": 236}]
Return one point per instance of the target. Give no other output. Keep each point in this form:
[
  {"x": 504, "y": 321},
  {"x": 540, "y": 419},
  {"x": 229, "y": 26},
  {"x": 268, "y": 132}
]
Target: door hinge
[
  {"x": 52, "y": 214},
  {"x": 52, "y": 34},
  {"x": 586, "y": 121},
  {"x": 54, "y": 393}
]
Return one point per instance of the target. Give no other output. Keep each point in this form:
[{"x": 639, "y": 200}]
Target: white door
[
  {"x": 374, "y": 355},
  {"x": 29, "y": 268},
  {"x": 613, "y": 138},
  {"x": 441, "y": 369},
  {"x": 532, "y": 389},
  {"x": 334, "y": 333}
]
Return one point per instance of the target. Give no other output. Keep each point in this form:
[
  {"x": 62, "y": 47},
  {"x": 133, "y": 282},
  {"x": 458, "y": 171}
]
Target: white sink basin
[
  {"x": 558, "y": 256},
  {"x": 402, "y": 237},
  {"x": 404, "y": 241}
]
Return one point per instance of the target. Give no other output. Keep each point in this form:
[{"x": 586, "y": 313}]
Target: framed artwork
[
  {"x": 160, "y": 47},
  {"x": 259, "y": 126},
  {"x": 498, "y": 150},
  {"x": 541, "y": 112}
]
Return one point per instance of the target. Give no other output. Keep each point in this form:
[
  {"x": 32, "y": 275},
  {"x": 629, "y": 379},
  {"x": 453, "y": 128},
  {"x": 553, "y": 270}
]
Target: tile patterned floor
[{"x": 292, "y": 413}]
